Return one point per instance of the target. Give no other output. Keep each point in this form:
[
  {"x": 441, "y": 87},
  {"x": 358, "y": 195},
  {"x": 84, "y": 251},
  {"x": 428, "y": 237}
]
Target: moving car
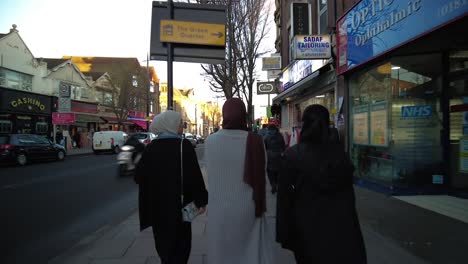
[
  {"x": 145, "y": 137},
  {"x": 191, "y": 138},
  {"x": 109, "y": 141},
  {"x": 22, "y": 148}
]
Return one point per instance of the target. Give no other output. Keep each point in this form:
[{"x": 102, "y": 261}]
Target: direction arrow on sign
[{"x": 175, "y": 31}]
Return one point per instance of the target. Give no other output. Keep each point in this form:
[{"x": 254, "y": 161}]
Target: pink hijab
[{"x": 235, "y": 117}]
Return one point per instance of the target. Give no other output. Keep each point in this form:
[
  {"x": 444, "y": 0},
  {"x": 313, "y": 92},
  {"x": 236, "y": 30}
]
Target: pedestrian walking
[
  {"x": 275, "y": 146},
  {"x": 169, "y": 179},
  {"x": 263, "y": 131},
  {"x": 237, "y": 230},
  {"x": 316, "y": 214}
]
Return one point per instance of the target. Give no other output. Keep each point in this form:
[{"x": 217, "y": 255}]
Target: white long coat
[{"x": 235, "y": 235}]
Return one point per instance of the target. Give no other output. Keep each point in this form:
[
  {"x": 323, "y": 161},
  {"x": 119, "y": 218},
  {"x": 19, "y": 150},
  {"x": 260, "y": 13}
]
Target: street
[{"x": 48, "y": 207}]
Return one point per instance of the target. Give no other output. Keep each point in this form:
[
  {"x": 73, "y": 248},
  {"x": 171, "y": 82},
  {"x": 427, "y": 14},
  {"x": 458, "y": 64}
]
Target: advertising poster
[
  {"x": 361, "y": 125},
  {"x": 464, "y": 154},
  {"x": 379, "y": 124}
]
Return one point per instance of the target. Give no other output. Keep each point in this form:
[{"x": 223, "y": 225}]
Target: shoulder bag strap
[{"x": 181, "y": 172}]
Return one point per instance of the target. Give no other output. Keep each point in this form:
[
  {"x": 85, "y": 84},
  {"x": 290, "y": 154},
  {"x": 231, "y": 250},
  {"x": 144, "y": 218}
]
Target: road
[{"x": 47, "y": 207}]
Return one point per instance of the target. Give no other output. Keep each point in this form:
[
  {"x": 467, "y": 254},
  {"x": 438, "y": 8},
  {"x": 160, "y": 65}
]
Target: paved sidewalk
[{"x": 124, "y": 244}]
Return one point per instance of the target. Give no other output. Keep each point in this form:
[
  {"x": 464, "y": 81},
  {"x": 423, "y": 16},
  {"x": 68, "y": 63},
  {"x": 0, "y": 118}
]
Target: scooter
[{"x": 127, "y": 164}]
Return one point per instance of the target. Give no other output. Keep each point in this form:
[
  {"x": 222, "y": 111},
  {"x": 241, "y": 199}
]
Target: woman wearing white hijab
[{"x": 159, "y": 177}]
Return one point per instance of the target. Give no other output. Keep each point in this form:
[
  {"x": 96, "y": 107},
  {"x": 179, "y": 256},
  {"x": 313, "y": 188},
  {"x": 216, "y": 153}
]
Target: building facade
[
  {"x": 307, "y": 77},
  {"x": 25, "y": 101},
  {"x": 394, "y": 85},
  {"x": 404, "y": 69}
]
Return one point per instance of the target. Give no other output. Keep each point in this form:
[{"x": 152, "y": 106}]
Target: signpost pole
[
  {"x": 148, "y": 93},
  {"x": 170, "y": 57}
]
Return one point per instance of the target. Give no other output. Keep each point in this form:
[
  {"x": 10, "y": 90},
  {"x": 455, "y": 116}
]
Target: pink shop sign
[{"x": 63, "y": 118}]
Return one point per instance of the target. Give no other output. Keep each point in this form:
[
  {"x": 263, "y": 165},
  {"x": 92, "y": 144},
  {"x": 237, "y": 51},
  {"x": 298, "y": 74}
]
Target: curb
[
  {"x": 80, "y": 154},
  {"x": 85, "y": 242}
]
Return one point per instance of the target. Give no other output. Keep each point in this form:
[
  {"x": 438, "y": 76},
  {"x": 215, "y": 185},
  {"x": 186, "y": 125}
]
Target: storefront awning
[
  {"x": 315, "y": 81},
  {"x": 114, "y": 120},
  {"x": 84, "y": 118},
  {"x": 139, "y": 123}
]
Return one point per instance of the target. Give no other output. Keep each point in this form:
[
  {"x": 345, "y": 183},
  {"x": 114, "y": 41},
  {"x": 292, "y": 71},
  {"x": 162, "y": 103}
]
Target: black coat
[
  {"x": 316, "y": 212},
  {"x": 159, "y": 177},
  {"x": 274, "y": 145}
]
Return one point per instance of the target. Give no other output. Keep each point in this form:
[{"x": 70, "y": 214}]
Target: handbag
[{"x": 190, "y": 211}]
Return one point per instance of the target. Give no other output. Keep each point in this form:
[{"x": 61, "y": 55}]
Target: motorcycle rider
[{"x": 138, "y": 146}]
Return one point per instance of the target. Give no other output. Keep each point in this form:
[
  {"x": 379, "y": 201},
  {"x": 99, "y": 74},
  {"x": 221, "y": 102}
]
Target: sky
[{"x": 103, "y": 28}]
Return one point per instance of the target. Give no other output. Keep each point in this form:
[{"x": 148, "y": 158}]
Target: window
[
  {"x": 41, "y": 127},
  {"x": 76, "y": 92},
  {"x": 26, "y": 140},
  {"x": 5, "y": 126},
  {"x": 15, "y": 80},
  {"x": 322, "y": 17},
  {"x": 396, "y": 120},
  {"x": 107, "y": 99}
]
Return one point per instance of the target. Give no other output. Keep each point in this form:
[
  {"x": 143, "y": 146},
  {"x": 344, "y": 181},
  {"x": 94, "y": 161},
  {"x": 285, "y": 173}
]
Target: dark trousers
[
  {"x": 175, "y": 250},
  {"x": 273, "y": 177}
]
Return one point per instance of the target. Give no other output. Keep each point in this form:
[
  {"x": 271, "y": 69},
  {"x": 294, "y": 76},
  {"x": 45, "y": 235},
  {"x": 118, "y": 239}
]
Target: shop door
[{"x": 458, "y": 101}]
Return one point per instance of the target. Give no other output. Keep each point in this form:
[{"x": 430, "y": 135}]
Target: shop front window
[
  {"x": 41, "y": 127},
  {"x": 5, "y": 126},
  {"x": 396, "y": 121},
  {"x": 326, "y": 99},
  {"x": 458, "y": 102}
]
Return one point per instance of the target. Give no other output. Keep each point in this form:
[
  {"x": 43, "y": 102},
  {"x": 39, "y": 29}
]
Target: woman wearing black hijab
[{"x": 316, "y": 214}]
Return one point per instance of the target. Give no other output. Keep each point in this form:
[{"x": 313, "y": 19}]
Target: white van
[{"x": 109, "y": 141}]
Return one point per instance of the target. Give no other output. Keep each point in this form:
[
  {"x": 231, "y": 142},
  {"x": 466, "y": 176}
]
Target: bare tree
[
  {"x": 246, "y": 28},
  {"x": 251, "y": 35},
  {"x": 131, "y": 93},
  {"x": 223, "y": 78}
]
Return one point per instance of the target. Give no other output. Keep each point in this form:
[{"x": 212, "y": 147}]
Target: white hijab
[{"x": 166, "y": 122}]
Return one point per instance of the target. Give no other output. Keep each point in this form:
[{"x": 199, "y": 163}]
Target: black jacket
[
  {"x": 274, "y": 145},
  {"x": 159, "y": 177},
  {"x": 316, "y": 211}
]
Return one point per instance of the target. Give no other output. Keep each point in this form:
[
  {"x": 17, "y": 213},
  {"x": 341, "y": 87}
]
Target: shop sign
[
  {"x": 273, "y": 74},
  {"x": 28, "y": 102},
  {"x": 361, "y": 125},
  {"x": 271, "y": 63},
  {"x": 83, "y": 107},
  {"x": 312, "y": 47},
  {"x": 379, "y": 124},
  {"x": 374, "y": 27},
  {"x": 417, "y": 111},
  {"x": 24, "y": 102},
  {"x": 63, "y": 118},
  {"x": 266, "y": 88},
  {"x": 299, "y": 70},
  {"x": 136, "y": 114},
  {"x": 464, "y": 154}
]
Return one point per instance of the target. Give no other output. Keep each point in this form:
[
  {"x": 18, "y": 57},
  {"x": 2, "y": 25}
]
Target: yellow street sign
[{"x": 175, "y": 31}]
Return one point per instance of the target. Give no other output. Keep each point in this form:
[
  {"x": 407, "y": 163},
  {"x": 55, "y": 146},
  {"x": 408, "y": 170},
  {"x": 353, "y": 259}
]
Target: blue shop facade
[{"x": 403, "y": 66}]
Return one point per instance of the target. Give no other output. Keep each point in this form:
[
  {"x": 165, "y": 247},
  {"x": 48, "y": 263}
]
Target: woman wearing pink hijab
[{"x": 236, "y": 170}]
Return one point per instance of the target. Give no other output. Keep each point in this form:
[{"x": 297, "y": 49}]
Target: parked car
[
  {"x": 191, "y": 138},
  {"x": 23, "y": 148},
  {"x": 200, "y": 139},
  {"x": 145, "y": 137},
  {"x": 109, "y": 141}
]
